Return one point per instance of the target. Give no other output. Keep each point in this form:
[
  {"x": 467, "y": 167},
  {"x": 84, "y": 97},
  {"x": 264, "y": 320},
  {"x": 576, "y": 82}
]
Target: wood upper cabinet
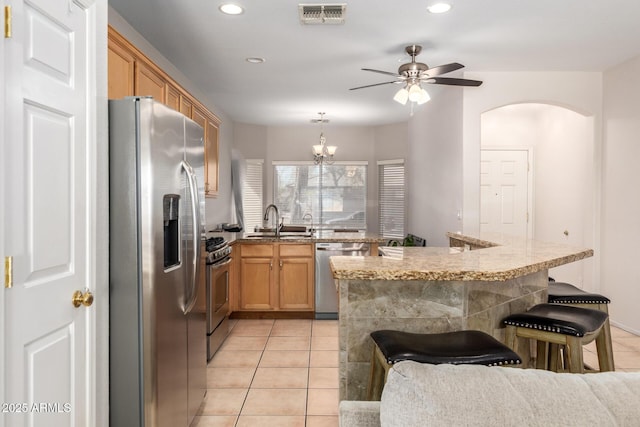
[
  {"x": 173, "y": 97},
  {"x": 276, "y": 277},
  {"x": 210, "y": 125},
  {"x": 131, "y": 73},
  {"x": 149, "y": 83},
  {"x": 121, "y": 68},
  {"x": 186, "y": 106},
  {"x": 211, "y": 153}
]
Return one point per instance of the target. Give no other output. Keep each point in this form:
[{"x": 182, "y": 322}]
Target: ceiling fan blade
[
  {"x": 388, "y": 73},
  {"x": 443, "y": 69},
  {"x": 376, "y": 84},
  {"x": 453, "y": 82}
]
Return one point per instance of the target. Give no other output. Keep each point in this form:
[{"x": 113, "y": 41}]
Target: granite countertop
[
  {"x": 501, "y": 258},
  {"x": 320, "y": 236}
]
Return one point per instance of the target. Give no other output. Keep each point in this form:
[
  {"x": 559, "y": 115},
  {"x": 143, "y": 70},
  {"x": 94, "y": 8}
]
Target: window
[
  {"x": 329, "y": 196},
  {"x": 252, "y": 194},
  {"x": 391, "y": 198}
]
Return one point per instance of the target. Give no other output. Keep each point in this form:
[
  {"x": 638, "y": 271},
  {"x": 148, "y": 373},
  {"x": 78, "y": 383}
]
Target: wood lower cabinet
[
  {"x": 276, "y": 277},
  {"x": 131, "y": 73},
  {"x": 296, "y": 277}
]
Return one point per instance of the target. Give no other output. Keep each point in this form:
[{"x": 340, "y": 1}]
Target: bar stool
[
  {"x": 460, "y": 347},
  {"x": 564, "y": 325},
  {"x": 568, "y": 294}
]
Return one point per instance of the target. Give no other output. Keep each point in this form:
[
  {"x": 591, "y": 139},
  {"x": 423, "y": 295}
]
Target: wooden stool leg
[
  {"x": 605, "y": 349},
  {"x": 377, "y": 374},
  {"x": 573, "y": 348},
  {"x": 542, "y": 355},
  {"x": 374, "y": 375},
  {"x": 555, "y": 363},
  {"x": 511, "y": 340}
]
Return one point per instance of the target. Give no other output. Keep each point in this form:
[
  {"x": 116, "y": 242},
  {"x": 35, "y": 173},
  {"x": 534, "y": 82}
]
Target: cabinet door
[
  {"x": 120, "y": 71},
  {"x": 211, "y": 154},
  {"x": 173, "y": 97},
  {"x": 296, "y": 283},
  {"x": 256, "y": 284},
  {"x": 210, "y": 127},
  {"x": 149, "y": 83},
  {"x": 186, "y": 106}
]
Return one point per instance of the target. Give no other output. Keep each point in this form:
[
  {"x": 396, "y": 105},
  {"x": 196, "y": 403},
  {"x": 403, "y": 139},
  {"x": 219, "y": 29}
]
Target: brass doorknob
[{"x": 80, "y": 298}]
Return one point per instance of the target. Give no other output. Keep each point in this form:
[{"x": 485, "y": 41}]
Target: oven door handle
[{"x": 215, "y": 266}]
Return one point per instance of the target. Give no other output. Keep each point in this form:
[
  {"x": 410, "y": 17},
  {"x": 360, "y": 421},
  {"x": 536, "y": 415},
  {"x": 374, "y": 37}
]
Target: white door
[
  {"x": 47, "y": 173},
  {"x": 504, "y": 192}
]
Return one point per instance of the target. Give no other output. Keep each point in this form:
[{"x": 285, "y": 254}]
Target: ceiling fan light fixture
[
  {"x": 415, "y": 93},
  {"x": 231, "y": 9},
  {"x": 439, "y": 8},
  {"x": 424, "y": 97},
  {"x": 401, "y": 96}
]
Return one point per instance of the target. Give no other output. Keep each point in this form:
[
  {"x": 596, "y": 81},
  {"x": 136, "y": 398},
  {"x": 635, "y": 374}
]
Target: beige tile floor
[
  {"x": 274, "y": 373},
  {"x": 285, "y": 373}
]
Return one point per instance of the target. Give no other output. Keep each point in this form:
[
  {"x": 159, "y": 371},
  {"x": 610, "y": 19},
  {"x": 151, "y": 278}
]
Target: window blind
[
  {"x": 252, "y": 194},
  {"x": 391, "y": 199}
]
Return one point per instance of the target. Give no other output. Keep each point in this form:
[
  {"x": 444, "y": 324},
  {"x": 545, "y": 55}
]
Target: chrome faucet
[
  {"x": 310, "y": 218},
  {"x": 266, "y": 217}
]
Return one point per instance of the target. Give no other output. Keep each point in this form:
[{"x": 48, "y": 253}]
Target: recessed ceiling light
[
  {"x": 255, "y": 60},
  {"x": 439, "y": 8},
  {"x": 231, "y": 9}
]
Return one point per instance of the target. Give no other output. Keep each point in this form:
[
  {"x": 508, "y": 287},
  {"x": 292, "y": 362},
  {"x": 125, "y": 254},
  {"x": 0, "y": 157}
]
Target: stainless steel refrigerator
[{"x": 156, "y": 208}]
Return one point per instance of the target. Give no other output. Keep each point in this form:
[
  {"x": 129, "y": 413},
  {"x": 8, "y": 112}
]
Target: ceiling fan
[{"x": 413, "y": 73}]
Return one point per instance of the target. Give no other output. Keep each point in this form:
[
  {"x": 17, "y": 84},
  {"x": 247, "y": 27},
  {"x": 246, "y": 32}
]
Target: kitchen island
[{"x": 431, "y": 290}]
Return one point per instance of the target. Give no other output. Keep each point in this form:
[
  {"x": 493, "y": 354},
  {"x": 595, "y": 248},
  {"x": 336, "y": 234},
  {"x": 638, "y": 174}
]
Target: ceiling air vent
[{"x": 322, "y": 13}]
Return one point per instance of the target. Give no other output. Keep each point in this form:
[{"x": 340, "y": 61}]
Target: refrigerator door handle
[{"x": 191, "y": 295}]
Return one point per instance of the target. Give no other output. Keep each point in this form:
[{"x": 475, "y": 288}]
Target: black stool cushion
[
  {"x": 565, "y": 293},
  {"x": 561, "y": 319},
  {"x": 461, "y": 347}
]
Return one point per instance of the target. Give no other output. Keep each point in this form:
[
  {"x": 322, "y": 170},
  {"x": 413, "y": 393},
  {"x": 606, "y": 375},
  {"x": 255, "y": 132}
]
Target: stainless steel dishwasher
[{"x": 326, "y": 293}]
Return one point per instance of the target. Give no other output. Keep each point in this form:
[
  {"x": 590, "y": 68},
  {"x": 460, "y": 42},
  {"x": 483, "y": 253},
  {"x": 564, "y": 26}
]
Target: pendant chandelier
[{"x": 323, "y": 153}]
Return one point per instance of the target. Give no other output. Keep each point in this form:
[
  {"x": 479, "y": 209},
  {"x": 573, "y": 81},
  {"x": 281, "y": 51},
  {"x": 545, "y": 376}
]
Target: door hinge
[
  {"x": 7, "y": 22},
  {"x": 8, "y": 272},
  {"x": 527, "y": 217}
]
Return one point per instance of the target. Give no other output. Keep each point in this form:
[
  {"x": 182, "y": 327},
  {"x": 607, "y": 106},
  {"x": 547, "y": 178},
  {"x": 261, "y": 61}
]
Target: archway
[{"x": 562, "y": 145}]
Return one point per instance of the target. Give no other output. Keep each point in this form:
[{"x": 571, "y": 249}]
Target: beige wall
[
  {"x": 620, "y": 196},
  {"x": 434, "y": 167}
]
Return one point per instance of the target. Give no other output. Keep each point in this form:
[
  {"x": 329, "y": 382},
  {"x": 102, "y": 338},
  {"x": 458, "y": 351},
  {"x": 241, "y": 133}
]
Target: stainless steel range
[{"x": 217, "y": 288}]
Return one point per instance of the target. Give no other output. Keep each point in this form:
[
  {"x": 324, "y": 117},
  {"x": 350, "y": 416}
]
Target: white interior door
[
  {"x": 48, "y": 233},
  {"x": 504, "y": 192}
]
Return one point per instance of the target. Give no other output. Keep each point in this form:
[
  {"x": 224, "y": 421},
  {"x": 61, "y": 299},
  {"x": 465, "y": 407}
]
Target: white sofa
[{"x": 472, "y": 395}]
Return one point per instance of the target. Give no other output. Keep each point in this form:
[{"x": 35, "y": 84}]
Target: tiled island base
[{"x": 423, "y": 307}]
